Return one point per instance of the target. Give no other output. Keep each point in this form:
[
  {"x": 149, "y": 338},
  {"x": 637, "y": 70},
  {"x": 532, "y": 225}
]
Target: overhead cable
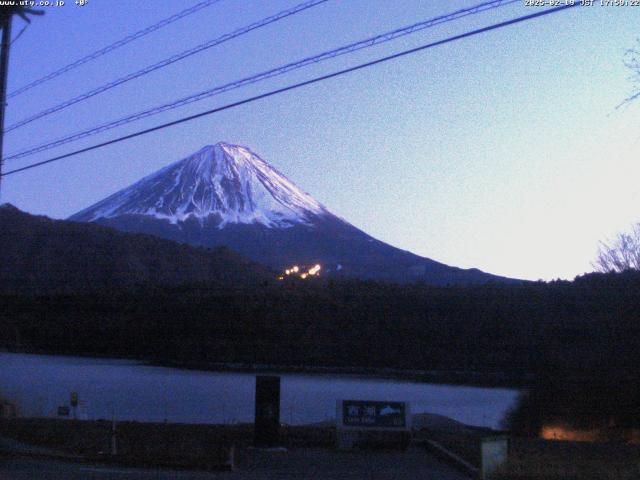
[
  {"x": 113, "y": 46},
  {"x": 281, "y": 70},
  {"x": 174, "y": 58},
  {"x": 296, "y": 86}
]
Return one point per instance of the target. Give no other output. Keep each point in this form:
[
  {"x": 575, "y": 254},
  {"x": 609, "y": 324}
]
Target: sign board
[
  {"x": 83, "y": 410},
  {"x": 370, "y": 422},
  {"x": 370, "y": 414},
  {"x": 63, "y": 411},
  {"x": 267, "y": 415}
]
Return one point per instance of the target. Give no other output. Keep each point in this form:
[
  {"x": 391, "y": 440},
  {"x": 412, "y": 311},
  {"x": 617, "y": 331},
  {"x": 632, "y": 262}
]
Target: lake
[{"x": 38, "y": 384}]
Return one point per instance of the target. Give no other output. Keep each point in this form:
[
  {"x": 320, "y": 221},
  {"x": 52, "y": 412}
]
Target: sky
[{"x": 504, "y": 151}]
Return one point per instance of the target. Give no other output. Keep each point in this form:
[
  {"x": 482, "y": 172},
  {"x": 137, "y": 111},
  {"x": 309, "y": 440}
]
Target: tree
[
  {"x": 632, "y": 62},
  {"x": 620, "y": 254}
]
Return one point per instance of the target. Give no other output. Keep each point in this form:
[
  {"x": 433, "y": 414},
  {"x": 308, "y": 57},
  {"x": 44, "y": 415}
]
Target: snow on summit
[{"x": 226, "y": 182}]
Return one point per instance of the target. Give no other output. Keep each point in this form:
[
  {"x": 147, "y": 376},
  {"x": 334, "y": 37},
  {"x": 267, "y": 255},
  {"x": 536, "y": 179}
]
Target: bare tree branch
[
  {"x": 620, "y": 254},
  {"x": 632, "y": 62}
]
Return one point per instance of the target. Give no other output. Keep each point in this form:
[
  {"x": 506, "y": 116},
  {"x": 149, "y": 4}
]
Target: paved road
[
  {"x": 303, "y": 464},
  {"x": 32, "y": 469}
]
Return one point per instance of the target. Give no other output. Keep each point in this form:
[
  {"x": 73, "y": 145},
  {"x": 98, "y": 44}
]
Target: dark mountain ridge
[{"x": 40, "y": 255}]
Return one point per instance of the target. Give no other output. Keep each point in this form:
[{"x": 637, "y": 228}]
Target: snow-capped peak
[{"x": 223, "y": 182}]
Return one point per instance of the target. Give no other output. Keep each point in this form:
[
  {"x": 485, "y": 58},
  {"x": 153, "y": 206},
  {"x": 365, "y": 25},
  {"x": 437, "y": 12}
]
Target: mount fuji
[{"x": 226, "y": 195}]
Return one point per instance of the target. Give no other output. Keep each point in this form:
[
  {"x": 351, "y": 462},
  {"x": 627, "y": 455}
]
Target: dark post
[
  {"x": 4, "y": 70},
  {"x": 267, "y": 419},
  {"x": 74, "y": 403}
]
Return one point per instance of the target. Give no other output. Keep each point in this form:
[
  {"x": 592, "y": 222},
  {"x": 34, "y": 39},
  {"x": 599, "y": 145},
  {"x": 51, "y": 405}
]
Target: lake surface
[{"x": 132, "y": 391}]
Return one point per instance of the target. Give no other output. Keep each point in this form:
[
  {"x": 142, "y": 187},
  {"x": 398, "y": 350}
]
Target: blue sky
[{"x": 503, "y": 151}]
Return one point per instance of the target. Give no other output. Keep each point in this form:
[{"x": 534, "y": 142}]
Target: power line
[
  {"x": 173, "y": 59},
  {"x": 298, "y": 85},
  {"x": 114, "y": 46},
  {"x": 369, "y": 42},
  {"x": 19, "y": 34},
  {"x": 6, "y": 21}
]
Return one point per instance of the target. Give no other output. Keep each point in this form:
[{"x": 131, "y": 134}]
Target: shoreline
[{"x": 437, "y": 377}]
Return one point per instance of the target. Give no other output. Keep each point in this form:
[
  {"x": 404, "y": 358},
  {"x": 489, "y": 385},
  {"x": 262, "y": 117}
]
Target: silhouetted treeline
[
  {"x": 45, "y": 256},
  {"x": 590, "y": 326}
]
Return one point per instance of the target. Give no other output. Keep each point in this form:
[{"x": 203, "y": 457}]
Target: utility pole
[
  {"x": 114, "y": 439},
  {"x": 4, "y": 71},
  {"x": 6, "y": 15}
]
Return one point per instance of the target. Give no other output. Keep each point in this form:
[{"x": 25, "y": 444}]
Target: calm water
[{"x": 40, "y": 383}]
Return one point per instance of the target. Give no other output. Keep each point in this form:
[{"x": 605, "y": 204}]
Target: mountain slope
[
  {"x": 41, "y": 255},
  {"x": 225, "y": 195}
]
